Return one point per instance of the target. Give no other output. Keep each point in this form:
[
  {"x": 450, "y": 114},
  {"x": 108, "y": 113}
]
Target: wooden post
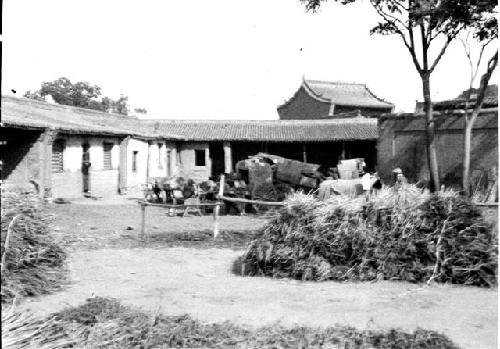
[
  {"x": 122, "y": 168},
  {"x": 342, "y": 154},
  {"x": 228, "y": 158},
  {"x": 217, "y": 208},
  {"x": 304, "y": 153},
  {"x": 143, "y": 221}
]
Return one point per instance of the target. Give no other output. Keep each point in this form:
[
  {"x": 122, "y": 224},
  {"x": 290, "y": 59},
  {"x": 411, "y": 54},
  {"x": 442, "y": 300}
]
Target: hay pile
[
  {"x": 105, "y": 323},
  {"x": 26, "y": 331},
  {"x": 412, "y": 236},
  {"x": 32, "y": 262}
]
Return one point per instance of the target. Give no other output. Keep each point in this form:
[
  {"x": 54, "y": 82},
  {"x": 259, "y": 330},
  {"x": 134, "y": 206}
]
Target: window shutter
[
  {"x": 57, "y": 156},
  {"x": 107, "y": 147}
]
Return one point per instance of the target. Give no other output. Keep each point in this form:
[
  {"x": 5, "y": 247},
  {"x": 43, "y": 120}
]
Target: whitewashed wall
[
  {"x": 138, "y": 178},
  {"x": 69, "y": 183},
  {"x": 187, "y": 161},
  {"x": 158, "y": 158}
]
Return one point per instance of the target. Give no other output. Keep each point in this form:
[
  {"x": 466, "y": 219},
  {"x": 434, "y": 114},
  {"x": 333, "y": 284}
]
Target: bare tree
[
  {"x": 422, "y": 25},
  {"x": 485, "y": 33}
]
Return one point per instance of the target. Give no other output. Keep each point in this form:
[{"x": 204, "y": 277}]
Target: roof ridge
[
  {"x": 338, "y": 82},
  {"x": 64, "y": 106},
  {"x": 275, "y": 121},
  {"x": 377, "y": 97}
]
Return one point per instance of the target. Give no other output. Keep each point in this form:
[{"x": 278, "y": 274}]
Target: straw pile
[
  {"x": 409, "y": 235},
  {"x": 105, "y": 323},
  {"x": 26, "y": 331},
  {"x": 32, "y": 263}
]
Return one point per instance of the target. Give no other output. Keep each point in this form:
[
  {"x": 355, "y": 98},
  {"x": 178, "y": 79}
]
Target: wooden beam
[
  {"x": 228, "y": 157},
  {"x": 217, "y": 208}
]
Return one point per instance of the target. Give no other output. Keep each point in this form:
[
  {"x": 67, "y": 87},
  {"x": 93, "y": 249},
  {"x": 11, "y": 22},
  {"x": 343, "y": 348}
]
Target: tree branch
[
  {"x": 392, "y": 20},
  {"x": 443, "y": 50},
  {"x": 485, "y": 79}
]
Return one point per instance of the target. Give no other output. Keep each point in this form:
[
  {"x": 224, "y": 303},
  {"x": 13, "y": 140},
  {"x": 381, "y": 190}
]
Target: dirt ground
[{"x": 197, "y": 281}]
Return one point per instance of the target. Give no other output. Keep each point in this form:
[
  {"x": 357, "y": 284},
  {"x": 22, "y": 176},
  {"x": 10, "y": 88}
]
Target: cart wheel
[{"x": 263, "y": 192}]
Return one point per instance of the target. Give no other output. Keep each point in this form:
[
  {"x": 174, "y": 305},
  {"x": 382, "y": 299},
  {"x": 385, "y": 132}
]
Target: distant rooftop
[
  {"x": 345, "y": 93},
  {"x": 490, "y": 100}
]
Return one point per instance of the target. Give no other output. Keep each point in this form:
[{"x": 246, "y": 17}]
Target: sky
[{"x": 218, "y": 59}]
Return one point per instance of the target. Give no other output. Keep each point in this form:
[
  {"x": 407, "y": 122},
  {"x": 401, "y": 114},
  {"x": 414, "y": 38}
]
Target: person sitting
[{"x": 399, "y": 179}]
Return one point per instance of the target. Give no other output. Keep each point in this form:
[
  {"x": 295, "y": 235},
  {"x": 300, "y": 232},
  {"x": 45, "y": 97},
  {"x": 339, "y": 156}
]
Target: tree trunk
[
  {"x": 466, "y": 157},
  {"x": 430, "y": 133},
  {"x": 469, "y": 122}
]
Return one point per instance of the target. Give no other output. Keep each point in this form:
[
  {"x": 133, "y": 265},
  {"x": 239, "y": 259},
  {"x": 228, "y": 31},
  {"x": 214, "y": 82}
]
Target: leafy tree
[
  {"x": 423, "y": 25},
  {"x": 121, "y": 105},
  {"x": 80, "y": 94},
  {"x": 484, "y": 32}
]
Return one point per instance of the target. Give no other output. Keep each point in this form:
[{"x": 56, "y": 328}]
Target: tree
[
  {"x": 141, "y": 110},
  {"x": 485, "y": 32},
  {"x": 423, "y": 25},
  {"x": 80, "y": 94}
]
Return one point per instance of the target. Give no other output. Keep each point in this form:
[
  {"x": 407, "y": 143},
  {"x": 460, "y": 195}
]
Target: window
[
  {"x": 57, "y": 156},
  {"x": 160, "y": 146},
  {"x": 199, "y": 157},
  {"x": 134, "y": 161},
  {"x": 107, "y": 148}
]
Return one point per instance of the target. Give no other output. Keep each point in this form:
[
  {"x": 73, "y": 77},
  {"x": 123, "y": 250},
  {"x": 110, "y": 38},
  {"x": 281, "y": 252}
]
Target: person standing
[{"x": 366, "y": 181}]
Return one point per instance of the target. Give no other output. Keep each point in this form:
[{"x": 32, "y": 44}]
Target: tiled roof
[
  {"x": 29, "y": 113},
  {"x": 271, "y": 130},
  {"x": 345, "y": 93},
  {"x": 490, "y": 100}
]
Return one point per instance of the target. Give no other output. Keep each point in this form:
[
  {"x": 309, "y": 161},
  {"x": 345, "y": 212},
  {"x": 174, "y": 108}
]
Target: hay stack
[
  {"x": 411, "y": 235},
  {"x": 105, "y": 323},
  {"x": 33, "y": 261}
]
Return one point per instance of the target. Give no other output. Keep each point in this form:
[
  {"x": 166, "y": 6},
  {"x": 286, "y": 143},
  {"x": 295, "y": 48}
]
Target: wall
[
  {"x": 402, "y": 144},
  {"x": 303, "y": 106},
  {"x": 103, "y": 182},
  {"x": 135, "y": 179},
  {"x": 159, "y": 158},
  {"x": 187, "y": 161},
  {"x": 370, "y": 112}
]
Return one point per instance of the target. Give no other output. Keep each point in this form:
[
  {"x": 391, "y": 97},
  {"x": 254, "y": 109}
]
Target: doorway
[{"x": 216, "y": 151}]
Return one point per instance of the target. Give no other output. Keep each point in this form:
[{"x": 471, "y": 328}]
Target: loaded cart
[{"x": 271, "y": 177}]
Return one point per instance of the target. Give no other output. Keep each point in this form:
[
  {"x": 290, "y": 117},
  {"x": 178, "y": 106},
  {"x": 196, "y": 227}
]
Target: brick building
[
  {"x": 69, "y": 151},
  {"x": 401, "y": 143},
  {"x": 328, "y": 100},
  {"x": 223, "y": 143}
]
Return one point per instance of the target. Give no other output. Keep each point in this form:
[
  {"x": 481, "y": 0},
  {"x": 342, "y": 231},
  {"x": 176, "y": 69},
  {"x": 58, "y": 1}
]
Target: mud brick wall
[
  {"x": 402, "y": 144},
  {"x": 67, "y": 185},
  {"x": 104, "y": 182},
  {"x": 303, "y": 106}
]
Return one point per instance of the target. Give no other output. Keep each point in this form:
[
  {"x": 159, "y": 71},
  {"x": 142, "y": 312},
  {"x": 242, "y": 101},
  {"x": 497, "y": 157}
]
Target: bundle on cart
[
  {"x": 32, "y": 262},
  {"x": 408, "y": 235}
]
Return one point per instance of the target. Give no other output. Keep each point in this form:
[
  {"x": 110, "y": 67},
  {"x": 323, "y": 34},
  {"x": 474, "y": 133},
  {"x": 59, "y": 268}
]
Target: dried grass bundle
[
  {"x": 26, "y": 331},
  {"x": 105, "y": 323},
  {"x": 32, "y": 262},
  {"x": 408, "y": 235}
]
